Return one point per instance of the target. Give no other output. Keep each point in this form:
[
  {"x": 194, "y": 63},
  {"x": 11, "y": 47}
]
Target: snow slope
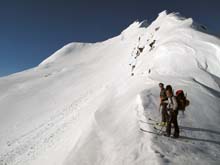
[{"x": 82, "y": 106}]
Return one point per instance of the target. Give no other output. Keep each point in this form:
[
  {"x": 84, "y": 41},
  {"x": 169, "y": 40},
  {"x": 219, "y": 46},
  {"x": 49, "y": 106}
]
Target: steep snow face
[
  {"x": 183, "y": 49},
  {"x": 86, "y": 103}
]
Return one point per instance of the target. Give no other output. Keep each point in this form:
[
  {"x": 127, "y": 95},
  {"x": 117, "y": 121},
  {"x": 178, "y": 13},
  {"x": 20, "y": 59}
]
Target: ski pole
[{"x": 151, "y": 119}]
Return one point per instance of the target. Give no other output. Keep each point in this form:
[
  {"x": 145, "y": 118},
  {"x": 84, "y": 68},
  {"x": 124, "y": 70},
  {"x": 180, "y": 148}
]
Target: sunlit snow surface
[{"x": 81, "y": 106}]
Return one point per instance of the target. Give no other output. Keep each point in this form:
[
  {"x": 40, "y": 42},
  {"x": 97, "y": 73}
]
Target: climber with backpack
[
  {"x": 181, "y": 100},
  {"x": 172, "y": 109}
]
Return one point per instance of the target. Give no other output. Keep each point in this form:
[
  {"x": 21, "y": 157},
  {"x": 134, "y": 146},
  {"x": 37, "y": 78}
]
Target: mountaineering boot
[
  {"x": 175, "y": 136},
  {"x": 163, "y": 124},
  {"x": 166, "y": 134}
]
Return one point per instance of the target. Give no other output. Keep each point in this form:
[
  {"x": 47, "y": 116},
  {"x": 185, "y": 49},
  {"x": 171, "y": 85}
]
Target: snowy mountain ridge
[{"x": 82, "y": 105}]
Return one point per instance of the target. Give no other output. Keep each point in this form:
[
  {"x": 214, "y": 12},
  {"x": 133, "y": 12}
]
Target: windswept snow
[{"x": 81, "y": 106}]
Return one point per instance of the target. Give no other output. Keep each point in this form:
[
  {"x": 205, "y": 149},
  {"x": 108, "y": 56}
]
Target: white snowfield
[{"x": 81, "y": 106}]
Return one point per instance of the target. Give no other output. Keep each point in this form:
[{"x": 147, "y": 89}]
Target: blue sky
[{"x": 31, "y": 30}]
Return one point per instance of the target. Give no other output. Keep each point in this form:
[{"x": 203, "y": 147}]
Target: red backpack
[{"x": 181, "y": 100}]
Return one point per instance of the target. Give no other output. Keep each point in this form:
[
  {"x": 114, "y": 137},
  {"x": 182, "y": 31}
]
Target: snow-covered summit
[
  {"x": 86, "y": 103},
  {"x": 65, "y": 51},
  {"x": 178, "y": 48}
]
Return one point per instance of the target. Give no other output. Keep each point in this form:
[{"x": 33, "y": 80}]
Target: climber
[
  {"x": 163, "y": 105},
  {"x": 172, "y": 108}
]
